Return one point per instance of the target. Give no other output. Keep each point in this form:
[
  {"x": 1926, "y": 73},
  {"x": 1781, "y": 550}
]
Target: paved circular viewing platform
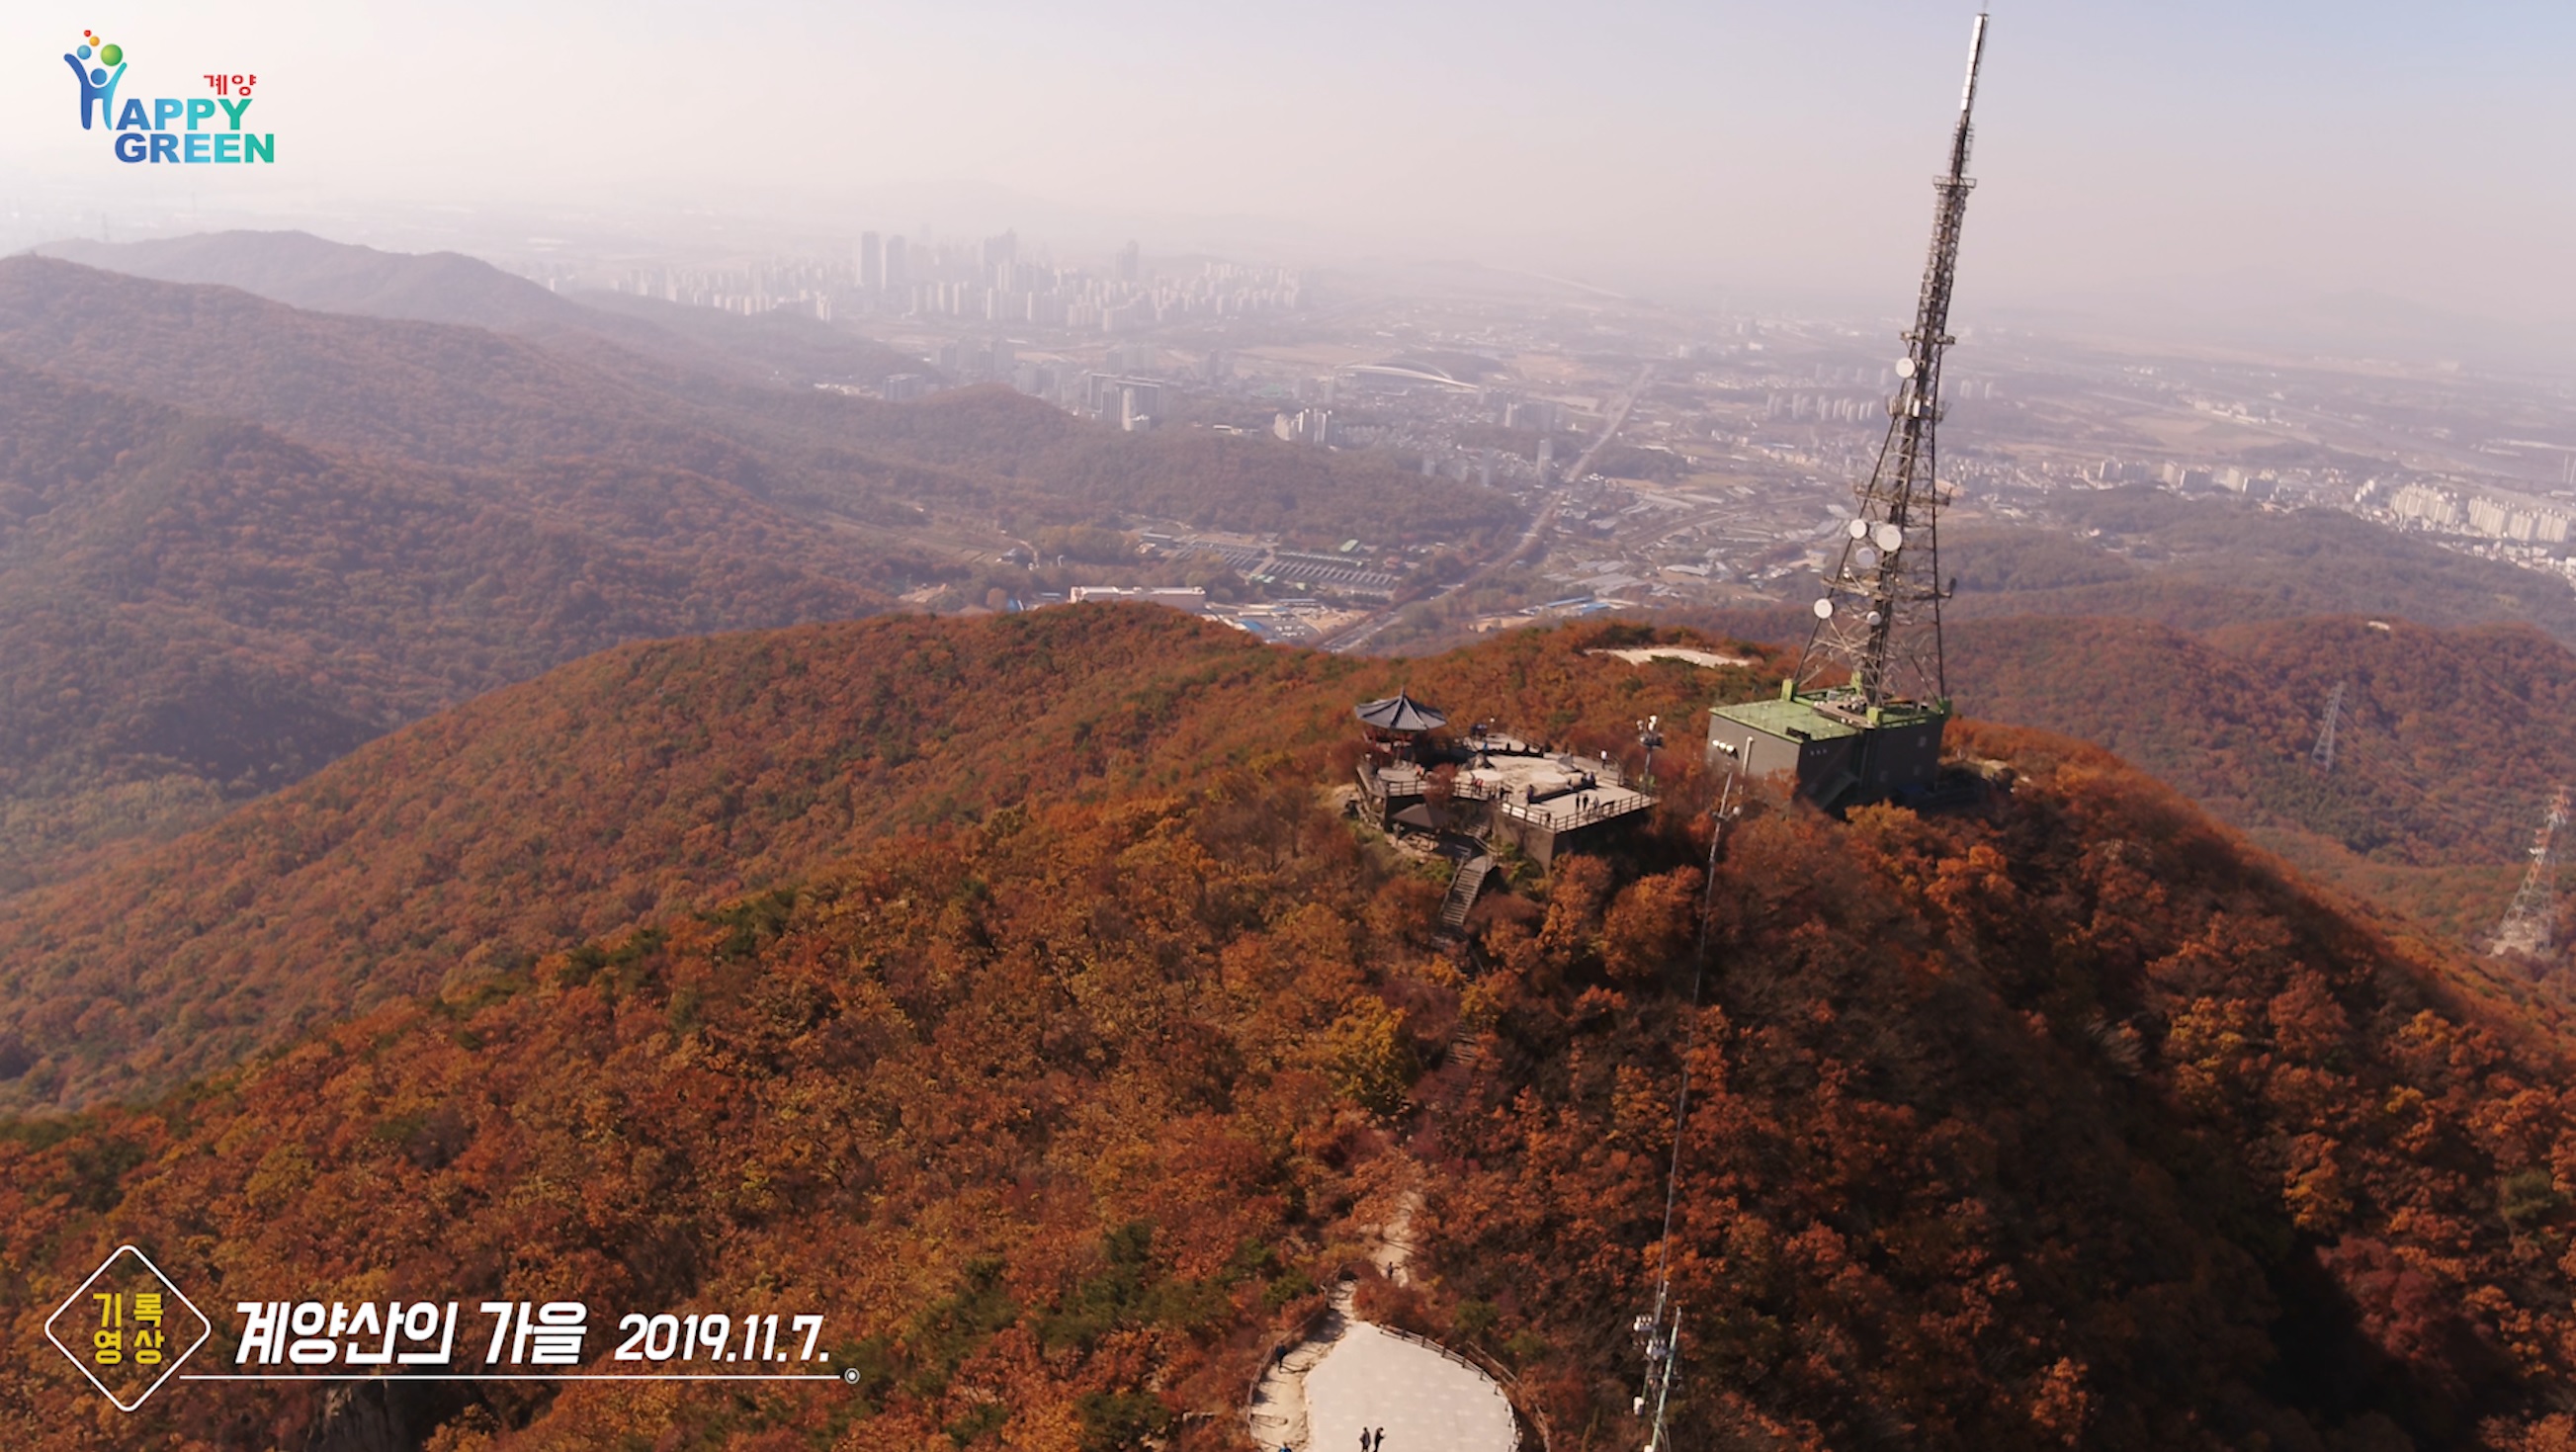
[
  {"x": 1425, "y": 1398},
  {"x": 1351, "y": 1376}
]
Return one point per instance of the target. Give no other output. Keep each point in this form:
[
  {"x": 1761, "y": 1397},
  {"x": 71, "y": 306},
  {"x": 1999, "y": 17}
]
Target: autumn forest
[{"x": 479, "y": 821}]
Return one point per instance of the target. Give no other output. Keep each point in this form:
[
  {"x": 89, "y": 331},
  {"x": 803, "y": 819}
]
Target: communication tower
[
  {"x": 2321, "y": 755},
  {"x": 1877, "y": 734},
  {"x": 2528, "y": 925}
]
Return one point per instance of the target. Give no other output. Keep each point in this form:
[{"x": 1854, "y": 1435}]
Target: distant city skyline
[{"x": 2131, "y": 153}]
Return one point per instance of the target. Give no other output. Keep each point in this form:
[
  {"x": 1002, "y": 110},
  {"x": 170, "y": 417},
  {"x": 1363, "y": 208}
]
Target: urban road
[{"x": 1532, "y": 540}]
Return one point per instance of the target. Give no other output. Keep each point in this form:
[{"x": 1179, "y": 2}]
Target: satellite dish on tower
[
  {"x": 1898, "y": 657},
  {"x": 1824, "y": 610}
]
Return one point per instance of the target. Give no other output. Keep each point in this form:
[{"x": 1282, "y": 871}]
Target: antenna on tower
[
  {"x": 1880, "y": 617},
  {"x": 1876, "y": 735},
  {"x": 2528, "y": 925},
  {"x": 2321, "y": 755}
]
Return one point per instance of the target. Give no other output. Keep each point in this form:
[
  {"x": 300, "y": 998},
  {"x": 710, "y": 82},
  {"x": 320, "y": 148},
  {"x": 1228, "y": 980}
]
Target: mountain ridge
[
  {"x": 659, "y": 773},
  {"x": 2065, "y": 1119},
  {"x": 195, "y": 608},
  {"x": 468, "y": 507},
  {"x": 310, "y": 272}
]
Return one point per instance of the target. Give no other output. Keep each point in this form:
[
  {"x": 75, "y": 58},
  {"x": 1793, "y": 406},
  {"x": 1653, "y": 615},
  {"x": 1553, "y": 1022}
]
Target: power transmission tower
[
  {"x": 2321, "y": 756},
  {"x": 1880, "y": 617},
  {"x": 2528, "y": 924}
]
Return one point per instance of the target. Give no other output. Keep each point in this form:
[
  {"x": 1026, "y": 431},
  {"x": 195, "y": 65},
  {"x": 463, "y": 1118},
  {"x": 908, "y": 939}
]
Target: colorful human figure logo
[{"x": 99, "y": 66}]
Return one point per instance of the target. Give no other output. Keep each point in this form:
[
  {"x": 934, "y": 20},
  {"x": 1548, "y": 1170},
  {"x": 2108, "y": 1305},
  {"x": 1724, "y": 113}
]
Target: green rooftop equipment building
[{"x": 1839, "y": 751}]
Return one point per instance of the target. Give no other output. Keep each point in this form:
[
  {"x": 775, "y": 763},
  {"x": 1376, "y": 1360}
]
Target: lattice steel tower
[
  {"x": 1877, "y": 735},
  {"x": 1880, "y": 617},
  {"x": 2321, "y": 755},
  {"x": 2528, "y": 925}
]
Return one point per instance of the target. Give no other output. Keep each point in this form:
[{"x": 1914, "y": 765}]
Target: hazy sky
[{"x": 2125, "y": 145}]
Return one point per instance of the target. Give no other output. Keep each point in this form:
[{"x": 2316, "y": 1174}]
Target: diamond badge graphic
[{"x": 124, "y": 1325}]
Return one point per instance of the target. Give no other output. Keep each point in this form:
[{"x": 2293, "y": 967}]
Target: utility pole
[
  {"x": 2321, "y": 755},
  {"x": 2529, "y": 925}
]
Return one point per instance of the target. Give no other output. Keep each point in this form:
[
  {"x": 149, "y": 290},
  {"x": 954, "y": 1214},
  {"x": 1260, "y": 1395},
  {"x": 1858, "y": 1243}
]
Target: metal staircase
[{"x": 1463, "y": 889}]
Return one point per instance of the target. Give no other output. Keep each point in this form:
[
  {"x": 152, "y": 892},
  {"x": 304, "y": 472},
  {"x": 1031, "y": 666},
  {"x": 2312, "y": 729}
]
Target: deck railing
[
  {"x": 1502, "y": 1380},
  {"x": 1562, "y": 818}
]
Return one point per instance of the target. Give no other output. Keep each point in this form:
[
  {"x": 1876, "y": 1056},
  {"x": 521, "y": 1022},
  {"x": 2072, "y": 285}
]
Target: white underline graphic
[{"x": 568, "y": 1376}]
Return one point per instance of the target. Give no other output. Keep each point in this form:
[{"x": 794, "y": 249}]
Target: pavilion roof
[{"x": 1400, "y": 712}]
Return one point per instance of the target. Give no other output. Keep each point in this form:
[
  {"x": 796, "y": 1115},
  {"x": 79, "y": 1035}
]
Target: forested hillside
[
  {"x": 2196, "y": 564},
  {"x": 2446, "y": 749},
  {"x": 242, "y": 538},
  {"x": 427, "y": 392},
  {"x": 663, "y": 774},
  {"x": 2071, "y": 1124},
  {"x": 2448, "y": 745},
  {"x": 195, "y": 610},
  {"x": 2062, "y": 1121},
  {"x": 1049, "y": 1120}
]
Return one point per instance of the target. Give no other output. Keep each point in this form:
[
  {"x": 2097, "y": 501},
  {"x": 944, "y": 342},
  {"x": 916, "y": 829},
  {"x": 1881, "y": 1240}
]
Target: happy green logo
[
  {"x": 99, "y": 66},
  {"x": 167, "y": 130}
]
